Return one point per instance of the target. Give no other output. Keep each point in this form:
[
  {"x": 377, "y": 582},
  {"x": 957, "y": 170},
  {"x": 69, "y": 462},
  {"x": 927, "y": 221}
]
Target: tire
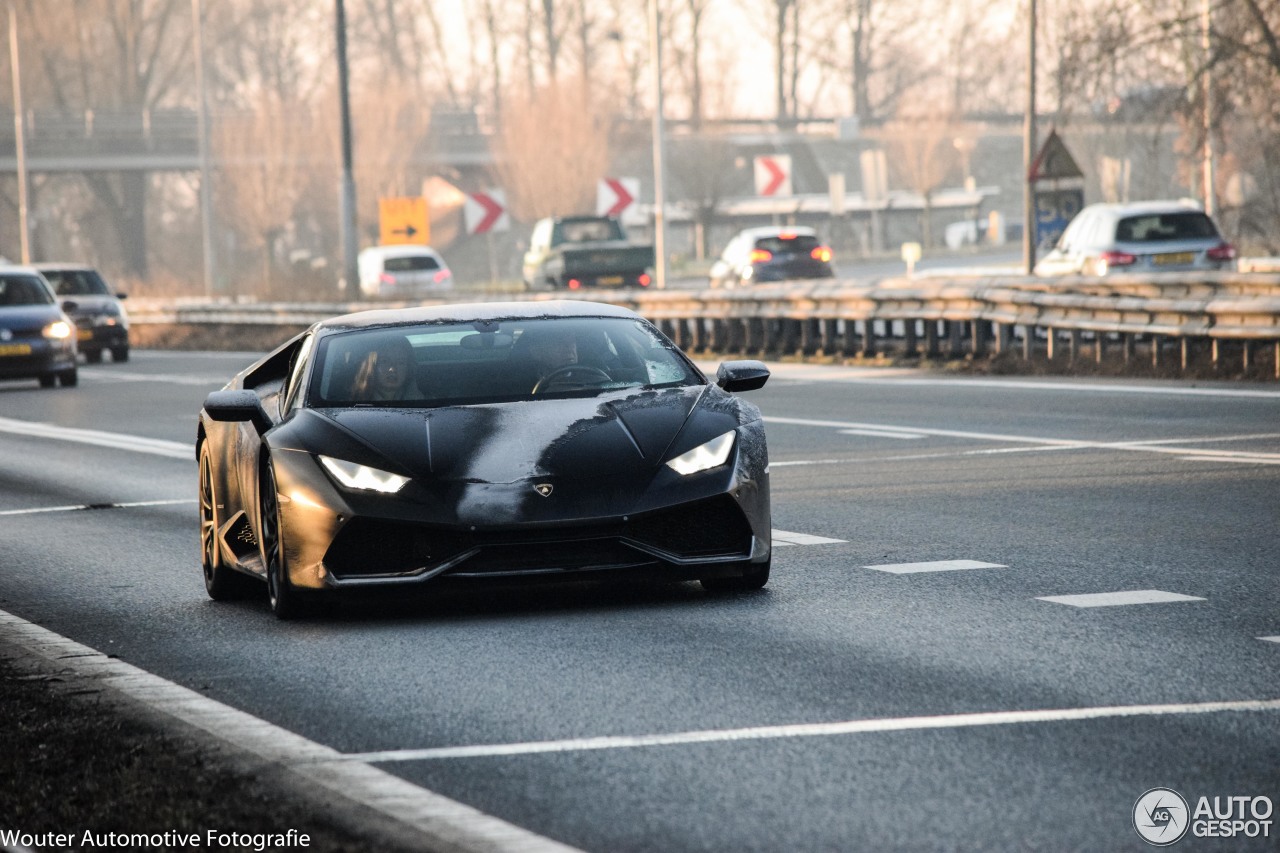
[
  {"x": 287, "y": 602},
  {"x": 120, "y": 353},
  {"x": 221, "y": 581},
  {"x": 755, "y": 577},
  {"x": 69, "y": 378},
  {"x": 93, "y": 356},
  {"x": 48, "y": 380}
]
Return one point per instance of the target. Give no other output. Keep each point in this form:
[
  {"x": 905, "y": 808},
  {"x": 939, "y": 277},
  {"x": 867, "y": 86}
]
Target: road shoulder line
[{"x": 440, "y": 823}]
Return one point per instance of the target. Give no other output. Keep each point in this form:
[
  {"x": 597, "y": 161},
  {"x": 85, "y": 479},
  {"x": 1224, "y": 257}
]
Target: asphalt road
[{"x": 845, "y": 707}]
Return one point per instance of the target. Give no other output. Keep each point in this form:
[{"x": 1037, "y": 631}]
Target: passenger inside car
[{"x": 386, "y": 373}]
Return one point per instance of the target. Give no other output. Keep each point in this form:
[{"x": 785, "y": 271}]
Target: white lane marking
[
  {"x": 881, "y": 433},
  {"x": 935, "y": 566},
  {"x": 1270, "y": 639},
  {"x": 1119, "y": 599},
  {"x": 118, "y": 441},
  {"x": 1247, "y": 461},
  {"x": 909, "y": 377},
  {"x": 787, "y": 537},
  {"x": 129, "y": 505},
  {"x": 445, "y": 823},
  {"x": 98, "y": 374},
  {"x": 890, "y": 724},
  {"x": 1058, "y": 443}
]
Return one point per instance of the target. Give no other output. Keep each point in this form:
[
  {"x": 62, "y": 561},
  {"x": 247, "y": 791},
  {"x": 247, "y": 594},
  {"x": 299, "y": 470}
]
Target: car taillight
[
  {"x": 386, "y": 278},
  {"x": 822, "y": 253},
  {"x": 1117, "y": 259},
  {"x": 574, "y": 284},
  {"x": 1223, "y": 252},
  {"x": 760, "y": 256},
  {"x": 441, "y": 276},
  {"x": 644, "y": 279}
]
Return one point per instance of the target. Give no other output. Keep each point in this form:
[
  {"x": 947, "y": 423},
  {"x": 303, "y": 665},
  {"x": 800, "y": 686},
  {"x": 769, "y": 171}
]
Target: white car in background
[
  {"x": 403, "y": 272},
  {"x": 1139, "y": 237}
]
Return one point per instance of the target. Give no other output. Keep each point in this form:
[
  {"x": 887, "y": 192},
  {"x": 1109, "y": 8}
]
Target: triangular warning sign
[{"x": 1054, "y": 161}]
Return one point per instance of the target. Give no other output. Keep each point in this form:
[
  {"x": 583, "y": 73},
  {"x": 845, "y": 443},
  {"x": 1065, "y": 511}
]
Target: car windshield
[
  {"x": 23, "y": 290},
  {"x": 77, "y": 283},
  {"x": 439, "y": 364},
  {"x": 788, "y": 243},
  {"x": 1155, "y": 227}
]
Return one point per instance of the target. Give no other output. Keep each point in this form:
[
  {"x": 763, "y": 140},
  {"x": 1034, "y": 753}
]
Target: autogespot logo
[{"x": 1161, "y": 817}]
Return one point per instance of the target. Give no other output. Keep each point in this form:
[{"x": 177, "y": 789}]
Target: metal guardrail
[{"x": 1172, "y": 319}]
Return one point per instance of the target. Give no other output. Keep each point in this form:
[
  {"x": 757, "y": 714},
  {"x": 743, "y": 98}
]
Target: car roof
[
  {"x": 20, "y": 268},
  {"x": 1137, "y": 208},
  {"x": 470, "y": 312}
]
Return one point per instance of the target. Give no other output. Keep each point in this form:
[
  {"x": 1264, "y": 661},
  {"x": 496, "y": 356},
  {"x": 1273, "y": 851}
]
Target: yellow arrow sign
[{"x": 404, "y": 220}]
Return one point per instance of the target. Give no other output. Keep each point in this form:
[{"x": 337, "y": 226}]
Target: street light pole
[
  {"x": 1029, "y": 149},
  {"x": 206, "y": 184},
  {"x": 659, "y": 151},
  {"x": 20, "y": 137},
  {"x": 348, "y": 191}
]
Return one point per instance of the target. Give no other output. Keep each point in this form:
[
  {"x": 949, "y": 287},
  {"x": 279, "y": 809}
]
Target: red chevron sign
[
  {"x": 485, "y": 212},
  {"x": 614, "y": 196},
  {"x": 773, "y": 175}
]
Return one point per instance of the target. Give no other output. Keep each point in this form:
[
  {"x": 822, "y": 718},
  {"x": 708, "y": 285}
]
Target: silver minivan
[{"x": 1139, "y": 237}]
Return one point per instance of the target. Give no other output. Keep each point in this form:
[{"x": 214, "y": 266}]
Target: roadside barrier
[{"x": 1171, "y": 320}]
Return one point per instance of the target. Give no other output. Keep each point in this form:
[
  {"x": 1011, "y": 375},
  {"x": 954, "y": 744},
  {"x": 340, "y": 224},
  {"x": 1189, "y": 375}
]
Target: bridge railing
[{"x": 1170, "y": 320}]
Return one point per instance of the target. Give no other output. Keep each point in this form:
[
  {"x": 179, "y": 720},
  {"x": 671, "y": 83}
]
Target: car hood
[
  {"x": 626, "y": 433},
  {"x": 28, "y": 316},
  {"x": 88, "y": 304}
]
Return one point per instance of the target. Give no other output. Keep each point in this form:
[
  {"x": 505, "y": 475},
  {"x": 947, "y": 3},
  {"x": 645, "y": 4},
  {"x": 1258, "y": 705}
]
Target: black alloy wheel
[
  {"x": 220, "y": 580},
  {"x": 93, "y": 356},
  {"x": 754, "y": 577},
  {"x": 48, "y": 380},
  {"x": 69, "y": 378},
  {"x": 120, "y": 353}
]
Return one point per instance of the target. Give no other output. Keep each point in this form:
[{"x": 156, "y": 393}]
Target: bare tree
[
  {"x": 923, "y": 157},
  {"x": 551, "y": 152}
]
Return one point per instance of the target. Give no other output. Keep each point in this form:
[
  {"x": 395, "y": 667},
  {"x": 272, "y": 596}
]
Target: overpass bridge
[{"x": 165, "y": 140}]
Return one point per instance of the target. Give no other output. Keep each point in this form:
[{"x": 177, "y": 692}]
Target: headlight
[
  {"x": 355, "y": 476},
  {"x": 59, "y": 330},
  {"x": 710, "y": 455}
]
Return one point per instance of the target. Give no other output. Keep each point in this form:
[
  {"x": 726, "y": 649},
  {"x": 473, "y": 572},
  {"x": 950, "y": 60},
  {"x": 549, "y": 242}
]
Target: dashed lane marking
[
  {"x": 79, "y": 507},
  {"x": 1119, "y": 599},
  {"x": 1270, "y": 639},
  {"x": 881, "y": 433},
  {"x": 935, "y": 566},
  {"x": 851, "y": 727},
  {"x": 115, "y": 440},
  {"x": 786, "y": 537},
  {"x": 443, "y": 823},
  {"x": 1166, "y": 446}
]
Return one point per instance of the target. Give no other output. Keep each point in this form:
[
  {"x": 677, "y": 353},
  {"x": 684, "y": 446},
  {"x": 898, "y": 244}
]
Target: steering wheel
[{"x": 572, "y": 375}]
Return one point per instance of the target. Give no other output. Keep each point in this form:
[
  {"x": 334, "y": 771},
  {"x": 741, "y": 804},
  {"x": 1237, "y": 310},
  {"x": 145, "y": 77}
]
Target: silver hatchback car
[{"x": 1139, "y": 237}]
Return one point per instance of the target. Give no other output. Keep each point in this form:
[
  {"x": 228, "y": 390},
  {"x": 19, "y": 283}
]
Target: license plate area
[
  {"x": 1170, "y": 258},
  {"x": 15, "y": 349},
  {"x": 84, "y": 334},
  {"x": 609, "y": 280}
]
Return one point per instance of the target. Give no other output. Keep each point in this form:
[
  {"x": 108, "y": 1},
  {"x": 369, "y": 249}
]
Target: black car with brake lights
[
  {"x": 528, "y": 440},
  {"x": 771, "y": 254},
  {"x": 37, "y": 340},
  {"x": 102, "y": 324}
]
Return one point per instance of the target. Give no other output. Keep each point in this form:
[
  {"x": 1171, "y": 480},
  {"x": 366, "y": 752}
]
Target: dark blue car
[{"x": 37, "y": 340}]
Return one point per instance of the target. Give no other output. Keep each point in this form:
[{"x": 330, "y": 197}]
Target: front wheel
[
  {"x": 220, "y": 581},
  {"x": 755, "y": 577},
  {"x": 287, "y": 601}
]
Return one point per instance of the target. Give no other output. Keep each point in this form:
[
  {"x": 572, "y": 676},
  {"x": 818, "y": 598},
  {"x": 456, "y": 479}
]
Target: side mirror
[
  {"x": 70, "y": 305},
  {"x": 122, "y": 295},
  {"x": 237, "y": 406},
  {"x": 746, "y": 375}
]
